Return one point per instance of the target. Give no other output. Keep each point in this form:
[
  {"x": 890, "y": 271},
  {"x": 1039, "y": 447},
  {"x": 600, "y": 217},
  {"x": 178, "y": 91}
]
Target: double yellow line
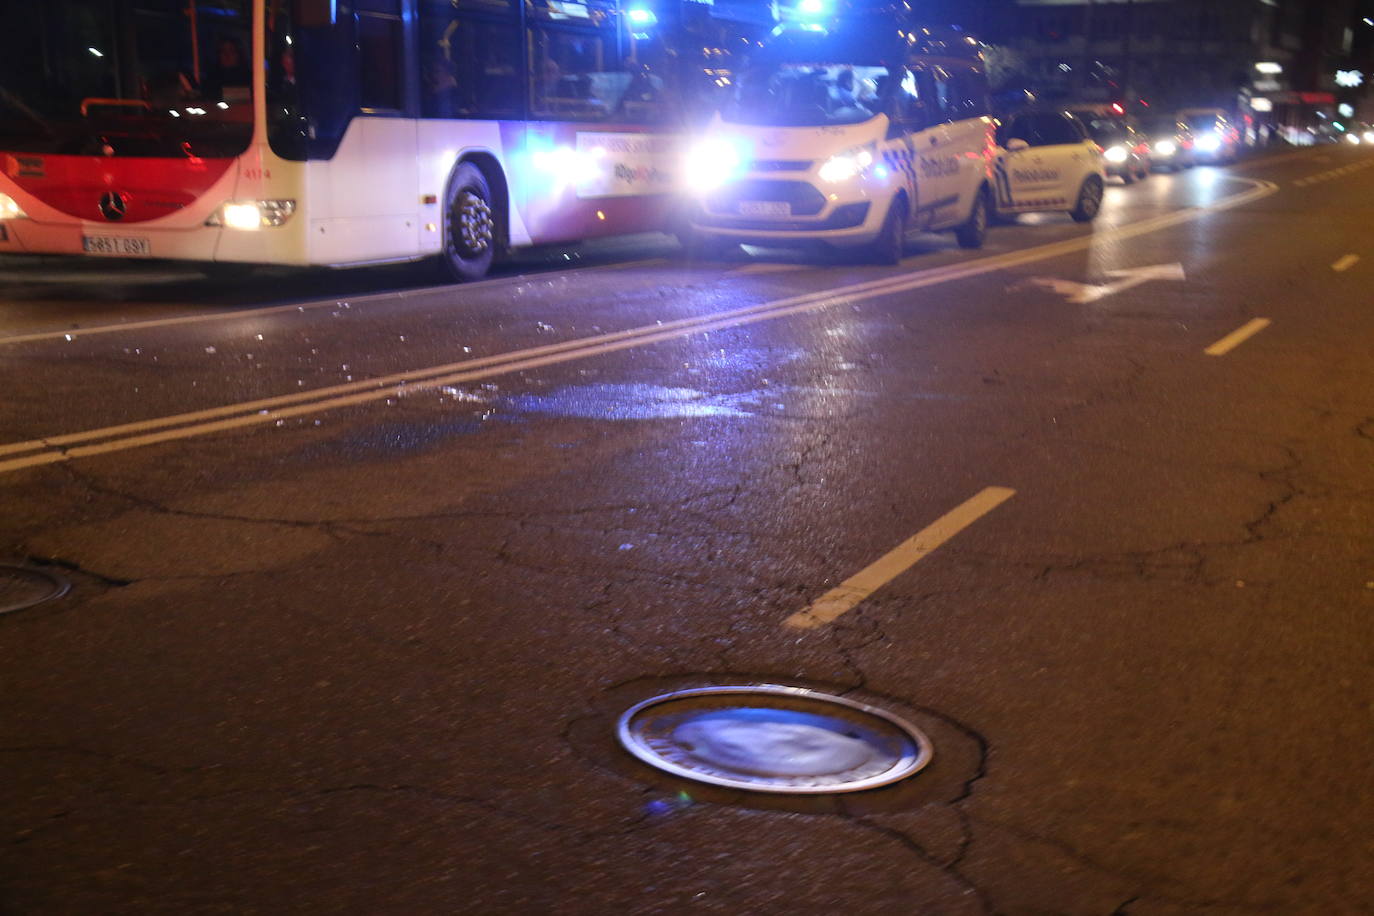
[{"x": 70, "y": 446}]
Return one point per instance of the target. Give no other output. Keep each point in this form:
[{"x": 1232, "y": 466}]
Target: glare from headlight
[
  {"x": 1166, "y": 147},
  {"x": 1369, "y": 136},
  {"x": 1209, "y": 143},
  {"x": 1116, "y": 154},
  {"x": 9, "y": 209},
  {"x": 242, "y": 216},
  {"x": 1353, "y": 138},
  {"x": 252, "y": 214},
  {"x": 844, "y": 166},
  {"x": 711, "y": 163}
]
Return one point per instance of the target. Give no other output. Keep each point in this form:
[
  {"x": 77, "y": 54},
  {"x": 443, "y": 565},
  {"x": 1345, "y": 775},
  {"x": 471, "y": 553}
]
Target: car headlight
[
  {"x": 1209, "y": 143},
  {"x": 1116, "y": 154},
  {"x": 1166, "y": 147},
  {"x": 9, "y": 209},
  {"x": 1369, "y": 136},
  {"x": 1353, "y": 138},
  {"x": 712, "y": 162},
  {"x": 252, "y": 214},
  {"x": 846, "y": 165}
]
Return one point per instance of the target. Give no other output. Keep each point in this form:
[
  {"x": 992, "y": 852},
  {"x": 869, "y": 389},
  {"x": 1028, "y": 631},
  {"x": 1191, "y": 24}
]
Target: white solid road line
[
  {"x": 250, "y": 313},
  {"x": 1346, "y": 263},
  {"x": 843, "y": 598},
  {"x": 1237, "y": 337},
  {"x": 64, "y": 447}
]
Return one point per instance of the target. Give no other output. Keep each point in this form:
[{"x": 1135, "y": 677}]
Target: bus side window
[
  {"x": 380, "y": 52},
  {"x": 469, "y": 64}
]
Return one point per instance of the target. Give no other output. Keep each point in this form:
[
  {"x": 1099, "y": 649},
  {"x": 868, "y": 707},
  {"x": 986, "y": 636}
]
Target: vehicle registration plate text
[
  {"x": 116, "y": 246},
  {"x": 765, "y": 208}
]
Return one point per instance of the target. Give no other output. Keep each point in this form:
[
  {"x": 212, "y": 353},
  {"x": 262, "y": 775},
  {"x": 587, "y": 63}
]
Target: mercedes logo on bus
[{"x": 113, "y": 206}]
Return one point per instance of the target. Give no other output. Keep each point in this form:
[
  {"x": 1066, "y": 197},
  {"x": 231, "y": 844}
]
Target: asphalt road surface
[{"x": 364, "y": 570}]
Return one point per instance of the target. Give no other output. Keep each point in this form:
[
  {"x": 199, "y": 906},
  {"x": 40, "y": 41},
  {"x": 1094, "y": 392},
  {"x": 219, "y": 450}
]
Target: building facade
[{"x": 1269, "y": 61}]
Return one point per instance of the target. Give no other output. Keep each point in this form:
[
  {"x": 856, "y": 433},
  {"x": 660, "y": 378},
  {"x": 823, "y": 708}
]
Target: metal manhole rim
[
  {"x": 925, "y": 751},
  {"x": 60, "y": 586}
]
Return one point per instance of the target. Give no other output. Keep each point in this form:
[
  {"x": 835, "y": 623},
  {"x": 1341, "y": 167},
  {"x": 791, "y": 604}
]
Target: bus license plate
[
  {"x": 765, "y": 208},
  {"x": 116, "y": 246}
]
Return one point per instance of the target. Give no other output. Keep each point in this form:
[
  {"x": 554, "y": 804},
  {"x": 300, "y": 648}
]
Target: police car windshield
[{"x": 808, "y": 95}]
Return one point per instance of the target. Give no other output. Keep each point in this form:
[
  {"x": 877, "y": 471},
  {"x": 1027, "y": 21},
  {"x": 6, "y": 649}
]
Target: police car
[
  {"x": 853, "y": 134},
  {"x": 1046, "y": 160}
]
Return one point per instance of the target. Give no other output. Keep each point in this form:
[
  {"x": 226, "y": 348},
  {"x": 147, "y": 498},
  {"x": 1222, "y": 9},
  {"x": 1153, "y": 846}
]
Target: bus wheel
[
  {"x": 1089, "y": 201},
  {"x": 471, "y": 238},
  {"x": 974, "y": 232},
  {"x": 890, "y": 244}
]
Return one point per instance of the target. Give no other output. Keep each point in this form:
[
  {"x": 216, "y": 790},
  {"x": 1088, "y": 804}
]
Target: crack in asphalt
[
  {"x": 1141, "y": 884},
  {"x": 950, "y": 868}
]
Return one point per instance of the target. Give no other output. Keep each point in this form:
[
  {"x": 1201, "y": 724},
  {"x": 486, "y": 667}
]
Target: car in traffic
[
  {"x": 1125, "y": 150},
  {"x": 1047, "y": 161},
  {"x": 1216, "y": 139},
  {"x": 1171, "y": 142},
  {"x": 850, "y": 135}
]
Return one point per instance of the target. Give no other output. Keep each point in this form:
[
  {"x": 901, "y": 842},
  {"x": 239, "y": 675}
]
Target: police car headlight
[
  {"x": 1116, "y": 154},
  {"x": 712, "y": 162},
  {"x": 9, "y": 209},
  {"x": 252, "y": 214},
  {"x": 846, "y": 165},
  {"x": 1166, "y": 147},
  {"x": 1209, "y": 143}
]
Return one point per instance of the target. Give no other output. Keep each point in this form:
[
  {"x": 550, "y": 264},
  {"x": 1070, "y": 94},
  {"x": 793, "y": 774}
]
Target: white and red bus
[{"x": 331, "y": 132}]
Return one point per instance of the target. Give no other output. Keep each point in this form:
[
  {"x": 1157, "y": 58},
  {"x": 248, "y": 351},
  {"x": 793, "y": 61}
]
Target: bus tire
[
  {"x": 1089, "y": 200},
  {"x": 973, "y": 232},
  {"x": 471, "y": 230},
  {"x": 890, "y": 244}
]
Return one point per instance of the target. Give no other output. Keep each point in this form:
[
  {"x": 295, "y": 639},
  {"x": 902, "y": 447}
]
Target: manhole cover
[
  {"x": 773, "y": 739},
  {"x": 21, "y": 587}
]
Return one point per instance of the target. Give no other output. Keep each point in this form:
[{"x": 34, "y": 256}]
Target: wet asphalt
[{"x": 366, "y": 654}]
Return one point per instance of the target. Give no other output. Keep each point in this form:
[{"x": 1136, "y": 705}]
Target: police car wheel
[
  {"x": 1089, "y": 201},
  {"x": 890, "y": 244},
  {"x": 974, "y": 232},
  {"x": 472, "y": 231}
]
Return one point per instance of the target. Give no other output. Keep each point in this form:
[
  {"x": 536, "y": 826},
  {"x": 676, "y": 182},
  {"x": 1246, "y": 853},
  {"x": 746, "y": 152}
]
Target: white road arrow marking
[{"x": 1082, "y": 293}]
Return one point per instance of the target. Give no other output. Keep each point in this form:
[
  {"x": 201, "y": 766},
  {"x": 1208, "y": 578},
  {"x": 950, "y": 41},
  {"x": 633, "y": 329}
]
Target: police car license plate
[
  {"x": 765, "y": 208},
  {"x": 116, "y": 246}
]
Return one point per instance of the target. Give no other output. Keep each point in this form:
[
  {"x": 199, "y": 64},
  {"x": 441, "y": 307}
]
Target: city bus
[{"x": 235, "y": 133}]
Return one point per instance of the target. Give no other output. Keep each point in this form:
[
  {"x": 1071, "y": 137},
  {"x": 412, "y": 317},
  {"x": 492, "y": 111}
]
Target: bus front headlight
[
  {"x": 846, "y": 165},
  {"x": 1116, "y": 154},
  {"x": 252, "y": 214},
  {"x": 9, "y": 208},
  {"x": 711, "y": 163}
]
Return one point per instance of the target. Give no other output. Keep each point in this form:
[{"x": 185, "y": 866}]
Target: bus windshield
[
  {"x": 808, "y": 95},
  {"x": 127, "y": 78}
]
